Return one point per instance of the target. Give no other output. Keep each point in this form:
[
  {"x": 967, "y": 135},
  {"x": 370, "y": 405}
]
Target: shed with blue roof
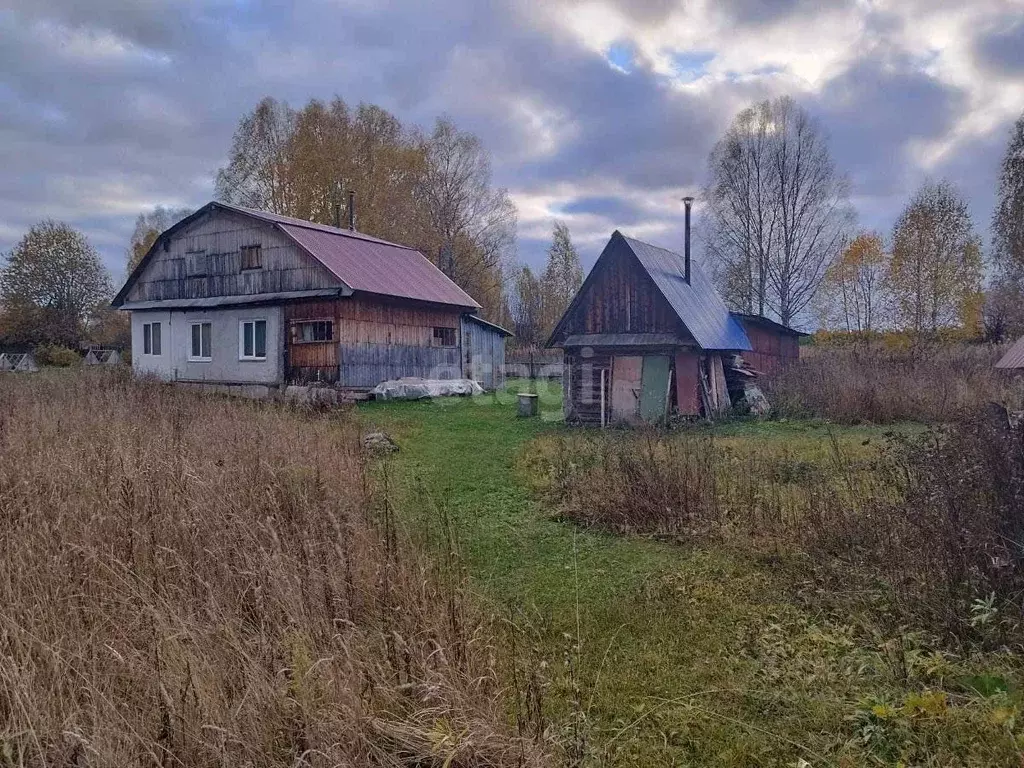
[{"x": 645, "y": 336}]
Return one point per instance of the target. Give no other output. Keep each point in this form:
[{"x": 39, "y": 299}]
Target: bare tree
[
  {"x": 148, "y": 227},
  {"x": 1008, "y": 219},
  {"x": 256, "y": 175},
  {"x": 527, "y": 307},
  {"x": 779, "y": 210},
  {"x": 472, "y": 222}
]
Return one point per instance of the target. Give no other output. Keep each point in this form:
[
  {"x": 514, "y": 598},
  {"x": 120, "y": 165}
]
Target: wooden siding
[
  {"x": 483, "y": 355},
  {"x": 217, "y": 238},
  {"x": 772, "y": 350},
  {"x": 621, "y": 298},
  {"x": 582, "y": 386},
  {"x": 373, "y": 337},
  {"x": 367, "y": 365}
]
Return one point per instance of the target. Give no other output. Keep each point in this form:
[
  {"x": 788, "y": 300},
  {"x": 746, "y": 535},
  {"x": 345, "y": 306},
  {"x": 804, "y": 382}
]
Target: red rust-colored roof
[
  {"x": 1014, "y": 357},
  {"x": 367, "y": 263}
]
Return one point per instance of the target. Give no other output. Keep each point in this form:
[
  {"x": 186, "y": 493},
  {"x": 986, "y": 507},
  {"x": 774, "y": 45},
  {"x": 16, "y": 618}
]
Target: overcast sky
[{"x": 598, "y": 113}]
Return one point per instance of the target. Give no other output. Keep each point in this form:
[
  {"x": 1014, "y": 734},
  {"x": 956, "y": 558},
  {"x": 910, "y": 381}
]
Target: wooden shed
[
  {"x": 483, "y": 352},
  {"x": 644, "y": 337},
  {"x": 773, "y": 345}
]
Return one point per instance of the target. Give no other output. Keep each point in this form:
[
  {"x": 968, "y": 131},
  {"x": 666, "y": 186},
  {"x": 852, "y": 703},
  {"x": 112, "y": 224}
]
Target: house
[
  {"x": 1013, "y": 360},
  {"x": 646, "y": 335},
  {"x": 774, "y": 346},
  {"x": 234, "y": 296}
]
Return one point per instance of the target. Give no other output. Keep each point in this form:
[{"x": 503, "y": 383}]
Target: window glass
[
  {"x": 261, "y": 338},
  {"x": 253, "y": 340},
  {"x": 313, "y": 330},
  {"x": 247, "y": 340},
  {"x": 201, "y": 341},
  {"x": 444, "y": 337},
  {"x": 147, "y": 339},
  {"x": 156, "y": 338}
]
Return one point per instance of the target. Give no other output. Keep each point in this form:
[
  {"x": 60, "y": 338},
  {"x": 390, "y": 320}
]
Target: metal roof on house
[
  {"x": 696, "y": 303},
  {"x": 624, "y": 340},
  {"x": 1014, "y": 357},
  {"x": 767, "y": 322},
  {"x": 367, "y": 263},
  {"x": 488, "y": 324}
]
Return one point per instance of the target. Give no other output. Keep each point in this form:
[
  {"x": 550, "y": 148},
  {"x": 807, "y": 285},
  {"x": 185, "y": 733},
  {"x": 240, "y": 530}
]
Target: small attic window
[
  {"x": 252, "y": 257},
  {"x": 167, "y": 244}
]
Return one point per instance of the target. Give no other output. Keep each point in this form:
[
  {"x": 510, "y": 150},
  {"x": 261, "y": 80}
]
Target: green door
[{"x": 654, "y": 388}]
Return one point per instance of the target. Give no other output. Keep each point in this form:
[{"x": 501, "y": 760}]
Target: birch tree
[
  {"x": 779, "y": 210},
  {"x": 562, "y": 276},
  {"x": 935, "y": 273},
  {"x": 1008, "y": 219},
  {"x": 854, "y": 286}
]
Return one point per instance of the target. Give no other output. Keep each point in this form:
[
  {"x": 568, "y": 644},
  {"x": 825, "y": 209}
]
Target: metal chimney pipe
[
  {"x": 688, "y": 202},
  {"x": 352, "y": 210}
]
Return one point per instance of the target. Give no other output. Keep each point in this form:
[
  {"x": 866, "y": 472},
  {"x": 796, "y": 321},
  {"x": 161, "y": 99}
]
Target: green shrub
[{"x": 57, "y": 356}]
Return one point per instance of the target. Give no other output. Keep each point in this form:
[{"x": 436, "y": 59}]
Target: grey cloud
[
  {"x": 84, "y": 138},
  {"x": 1003, "y": 49},
  {"x": 613, "y": 208},
  {"x": 874, "y": 110}
]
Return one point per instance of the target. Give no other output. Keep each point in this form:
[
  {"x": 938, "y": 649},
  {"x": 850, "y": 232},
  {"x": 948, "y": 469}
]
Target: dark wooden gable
[
  {"x": 618, "y": 296},
  {"x": 202, "y": 258}
]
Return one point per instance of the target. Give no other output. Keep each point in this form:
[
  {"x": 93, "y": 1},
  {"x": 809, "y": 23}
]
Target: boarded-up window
[
  {"x": 312, "y": 331},
  {"x": 443, "y": 337},
  {"x": 252, "y": 257},
  {"x": 195, "y": 264}
]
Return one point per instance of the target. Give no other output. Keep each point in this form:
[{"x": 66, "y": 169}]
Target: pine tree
[{"x": 561, "y": 279}]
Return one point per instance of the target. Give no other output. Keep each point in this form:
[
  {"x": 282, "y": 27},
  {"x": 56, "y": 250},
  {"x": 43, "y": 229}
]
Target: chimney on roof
[
  {"x": 352, "y": 210},
  {"x": 337, "y": 205},
  {"x": 688, "y": 202}
]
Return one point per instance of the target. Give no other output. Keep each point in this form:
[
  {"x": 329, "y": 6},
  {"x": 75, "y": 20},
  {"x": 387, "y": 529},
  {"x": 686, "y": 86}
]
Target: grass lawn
[{"x": 658, "y": 654}]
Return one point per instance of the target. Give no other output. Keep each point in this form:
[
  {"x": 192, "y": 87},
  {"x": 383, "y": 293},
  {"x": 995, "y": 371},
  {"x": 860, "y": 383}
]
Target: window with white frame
[
  {"x": 200, "y": 343},
  {"x": 252, "y": 340},
  {"x": 151, "y": 338}
]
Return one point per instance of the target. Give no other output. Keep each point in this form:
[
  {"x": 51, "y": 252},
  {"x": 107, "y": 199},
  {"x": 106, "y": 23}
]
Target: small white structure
[
  {"x": 18, "y": 362},
  {"x": 102, "y": 357}
]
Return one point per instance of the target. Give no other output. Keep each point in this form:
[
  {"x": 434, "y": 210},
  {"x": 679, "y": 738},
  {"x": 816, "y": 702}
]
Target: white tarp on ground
[{"x": 412, "y": 388}]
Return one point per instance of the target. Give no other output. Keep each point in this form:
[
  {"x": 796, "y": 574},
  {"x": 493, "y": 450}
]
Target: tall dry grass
[
  {"x": 935, "y": 516},
  {"x": 196, "y": 582},
  {"x": 875, "y": 383}
]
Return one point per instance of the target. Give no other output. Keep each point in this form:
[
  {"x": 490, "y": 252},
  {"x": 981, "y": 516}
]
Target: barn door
[{"x": 627, "y": 372}]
